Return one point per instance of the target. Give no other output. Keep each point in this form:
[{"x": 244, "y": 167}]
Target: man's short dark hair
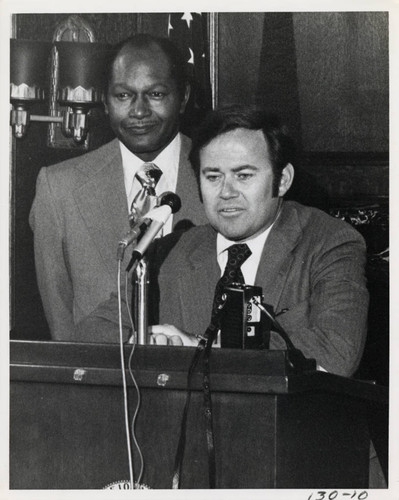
[
  {"x": 225, "y": 119},
  {"x": 177, "y": 63}
]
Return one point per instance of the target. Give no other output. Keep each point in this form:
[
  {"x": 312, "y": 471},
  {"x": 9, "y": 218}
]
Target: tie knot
[
  {"x": 149, "y": 175},
  {"x": 238, "y": 254}
]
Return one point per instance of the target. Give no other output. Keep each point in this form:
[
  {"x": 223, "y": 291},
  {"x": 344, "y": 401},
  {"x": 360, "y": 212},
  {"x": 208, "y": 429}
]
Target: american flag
[{"x": 188, "y": 31}]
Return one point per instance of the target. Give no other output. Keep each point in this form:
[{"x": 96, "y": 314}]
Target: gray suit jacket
[
  {"x": 78, "y": 216},
  {"x": 312, "y": 272}
]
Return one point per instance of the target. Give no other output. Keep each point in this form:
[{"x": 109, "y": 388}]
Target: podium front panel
[{"x": 68, "y": 432}]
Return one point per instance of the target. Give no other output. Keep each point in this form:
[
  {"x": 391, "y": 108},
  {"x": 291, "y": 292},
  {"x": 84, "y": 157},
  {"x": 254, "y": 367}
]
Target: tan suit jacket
[{"x": 78, "y": 216}]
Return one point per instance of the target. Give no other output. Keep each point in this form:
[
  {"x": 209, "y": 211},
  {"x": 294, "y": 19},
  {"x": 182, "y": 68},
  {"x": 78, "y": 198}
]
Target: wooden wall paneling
[
  {"x": 109, "y": 28},
  {"x": 239, "y": 36},
  {"x": 154, "y": 23},
  {"x": 326, "y": 75},
  {"x": 351, "y": 182},
  {"x": 343, "y": 81},
  {"x": 277, "y": 87}
]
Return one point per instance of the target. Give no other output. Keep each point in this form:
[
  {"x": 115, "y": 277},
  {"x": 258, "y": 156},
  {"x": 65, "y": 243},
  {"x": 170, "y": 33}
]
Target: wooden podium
[{"x": 273, "y": 428}]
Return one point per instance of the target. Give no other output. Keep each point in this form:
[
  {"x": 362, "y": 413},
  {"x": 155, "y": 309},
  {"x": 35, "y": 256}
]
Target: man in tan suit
[{"x": 81, "y": 208}]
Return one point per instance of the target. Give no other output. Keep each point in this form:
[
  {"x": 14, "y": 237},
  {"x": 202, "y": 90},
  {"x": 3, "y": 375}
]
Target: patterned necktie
[
  {"x": 148, "y": 175},
  {"x": 238, "y": 254}
]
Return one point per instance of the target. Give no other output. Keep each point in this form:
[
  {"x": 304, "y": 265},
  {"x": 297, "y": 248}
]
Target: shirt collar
[
  {"x": 168, "y": 158},
  {"x": 254, "y": 244},
  {"x": 165, "y": 160}
]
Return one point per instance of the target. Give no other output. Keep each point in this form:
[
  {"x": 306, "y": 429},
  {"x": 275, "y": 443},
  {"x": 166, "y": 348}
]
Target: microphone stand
[{"x": 141, "y": 281}]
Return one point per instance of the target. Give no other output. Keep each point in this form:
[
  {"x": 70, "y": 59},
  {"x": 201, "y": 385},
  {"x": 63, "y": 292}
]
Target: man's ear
[
  {"x": 106, "y": 107},
  {"x": 185, "y": 98},
  {"x": 287, "y": 177}
]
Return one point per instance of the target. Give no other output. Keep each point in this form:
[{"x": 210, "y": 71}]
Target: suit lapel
[
  {"x": 102, "y": 204},
  {"x": 277, "y": 255}
]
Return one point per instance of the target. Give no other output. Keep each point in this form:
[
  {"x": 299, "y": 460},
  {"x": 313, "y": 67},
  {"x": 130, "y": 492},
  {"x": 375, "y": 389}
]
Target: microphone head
[{"x": 170, "y": 199}]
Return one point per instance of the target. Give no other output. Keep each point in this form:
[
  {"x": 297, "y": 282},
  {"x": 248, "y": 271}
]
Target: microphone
[
  {"x": 138, "y": 229},
  {"x": 168, "y": 201},
  {"x": 170, "y": 204},
  {"x": 171, "y": 199}
]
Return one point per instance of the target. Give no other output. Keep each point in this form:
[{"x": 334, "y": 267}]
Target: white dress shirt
[
  {"x": 167, "y": 161},
  {"x": 250, "y": 267}
]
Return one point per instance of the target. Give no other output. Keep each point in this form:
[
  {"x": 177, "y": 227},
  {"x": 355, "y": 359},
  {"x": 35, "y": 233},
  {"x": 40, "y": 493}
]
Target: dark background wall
[{"x": 325, "y": 73}]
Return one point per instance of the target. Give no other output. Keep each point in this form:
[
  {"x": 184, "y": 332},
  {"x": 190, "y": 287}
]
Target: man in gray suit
[
  {"x": 311, "y": 267},
  {"x": 81, "y": 207}
]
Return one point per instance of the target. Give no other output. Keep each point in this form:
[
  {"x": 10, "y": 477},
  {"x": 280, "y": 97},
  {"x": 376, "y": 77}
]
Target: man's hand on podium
[{"x": 170, "y": 335}]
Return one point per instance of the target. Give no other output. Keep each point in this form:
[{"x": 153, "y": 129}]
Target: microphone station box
[{"x": 243, "y": 326}]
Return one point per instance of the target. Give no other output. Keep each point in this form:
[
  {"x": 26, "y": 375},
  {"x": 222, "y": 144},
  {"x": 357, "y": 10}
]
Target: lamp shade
[
  {"x": 82, "y": 71},
  {"x": 28, "y": 69}
]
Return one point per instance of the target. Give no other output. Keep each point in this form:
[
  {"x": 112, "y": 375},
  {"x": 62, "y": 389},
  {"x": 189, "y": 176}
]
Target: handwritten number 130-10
[{"x": 324, "y": 495}]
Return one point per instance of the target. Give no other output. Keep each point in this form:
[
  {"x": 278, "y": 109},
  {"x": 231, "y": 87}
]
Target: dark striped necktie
[{"x": 237, "y": 255}]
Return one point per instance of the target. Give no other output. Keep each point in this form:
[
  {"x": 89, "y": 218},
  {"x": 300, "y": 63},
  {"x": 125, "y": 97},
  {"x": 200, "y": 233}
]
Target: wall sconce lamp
[
  {"x": 28, "y": 65},
  {"x": 79, "y": 82}
]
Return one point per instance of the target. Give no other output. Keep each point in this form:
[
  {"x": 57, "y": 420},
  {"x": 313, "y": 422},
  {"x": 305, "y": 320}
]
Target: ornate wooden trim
[{"x": 213, "y": 33}]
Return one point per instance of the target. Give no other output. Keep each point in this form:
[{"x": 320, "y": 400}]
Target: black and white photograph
[{"x": 201, "y": 295}]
